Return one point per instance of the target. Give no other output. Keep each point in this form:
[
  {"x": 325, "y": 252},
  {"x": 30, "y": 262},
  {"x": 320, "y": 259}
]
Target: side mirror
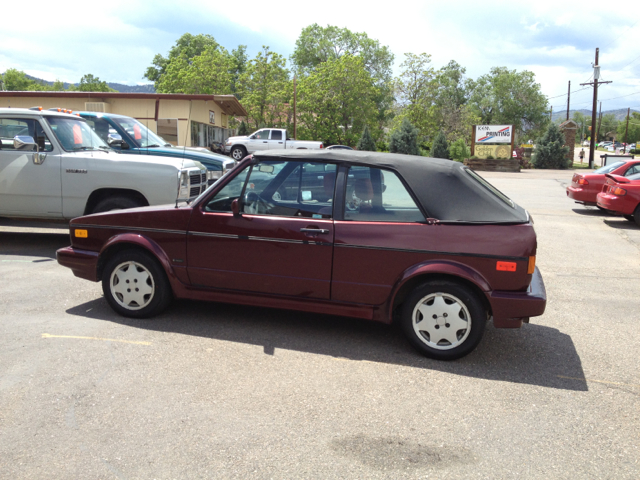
[
  {"x": 235, "y": 208},
  {"x": 24, "y": 142},
  {"x": 124, "y": 145},
  {"x": 114, "y": 140}
]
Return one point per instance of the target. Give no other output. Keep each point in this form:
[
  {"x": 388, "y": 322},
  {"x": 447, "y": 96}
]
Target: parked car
[
  {"x": 621, "y": 196},
  {"x": 426, "y": 241},
  {"x": 585, "y": 187},
  {"x": 54, "y": 166},
  {"x": 128, "y": 135},
  {"x": 266, "y": 139}
]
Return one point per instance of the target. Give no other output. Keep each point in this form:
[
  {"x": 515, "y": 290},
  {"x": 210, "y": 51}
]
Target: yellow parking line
[
  {"x": 48, "y": 335},
  {"x": 598, "y": 381}
]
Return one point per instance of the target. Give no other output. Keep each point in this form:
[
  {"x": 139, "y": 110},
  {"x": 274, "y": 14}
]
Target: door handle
[
  {"x": 315, "y": 231},
  {"x": 265, "y": 142}
]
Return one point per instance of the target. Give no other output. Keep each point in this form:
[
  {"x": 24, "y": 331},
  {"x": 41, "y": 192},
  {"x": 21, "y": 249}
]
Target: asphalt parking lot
[{"x": 221, "y": 391}]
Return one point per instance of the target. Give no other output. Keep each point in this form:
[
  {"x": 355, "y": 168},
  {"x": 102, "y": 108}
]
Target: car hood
[
  {"x": 208, "y": 159},
  {"x": 236, "y": 139},
  {"x": 156, "y": 217}
]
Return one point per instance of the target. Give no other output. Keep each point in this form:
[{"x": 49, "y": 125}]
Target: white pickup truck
[
  {"x": 265, "y": 139},
  {"x": 54, "y": 166}
]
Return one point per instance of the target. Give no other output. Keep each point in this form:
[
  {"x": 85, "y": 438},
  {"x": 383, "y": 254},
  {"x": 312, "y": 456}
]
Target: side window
[
  {"x": 221, "y": 202},
  {"x": 101, "y": 127},
  {"x": 276, "y": 134},
  {"x": 633, "y": 170},
  {"x": 10, "y": 127},
  {"x": 263, "y": 135},
  {"x": 291, "y": 189},
  {"x": 376, "y": 195}
]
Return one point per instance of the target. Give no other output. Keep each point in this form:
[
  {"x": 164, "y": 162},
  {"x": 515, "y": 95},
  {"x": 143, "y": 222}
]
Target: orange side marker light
[
  {"x": 81, "y": 233},
  {"x": 532, "y": 265},
  {"x": 506, "y": 266}
]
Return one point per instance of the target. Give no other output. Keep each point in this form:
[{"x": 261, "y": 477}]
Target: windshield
[
  {"x": 75, "y": 134},
  {"x": 609, "y": 168},
  {"x": 141, "y": 135}
]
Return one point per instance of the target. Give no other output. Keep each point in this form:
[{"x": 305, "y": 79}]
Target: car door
[
  {"x": 281, "y": 242},
  {"x": 30, "y": 183},
  {"x": 276, "y": 141},
  {"x": 259, "y": 140}
]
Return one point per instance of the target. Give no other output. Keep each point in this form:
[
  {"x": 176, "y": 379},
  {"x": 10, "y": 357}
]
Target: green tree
[
  {"x": 239, "y": 65},
  {"x": 458, "y": 150},
  {"x": 243, "y": 129},
  {"x": 265, "y": 89},
  {"x": 89, "y": 83},
  {"x": 633, "y": 133},
  {"x": 187, "y": 45},
  {"x": 608, "y": 126},
  {"x": 317, "y": 45},
  {"x": 16, "y": 80},
  {"x": 366, "y": 142},
  {"x": 440, "y": 147},
  {"x": 207, "y": 73},
  {"x": 404, "y": 139},
  {"x": 507, "y": 97},
  {"x": 336, "y": 101},
  {"x": 550, "y": 151}
]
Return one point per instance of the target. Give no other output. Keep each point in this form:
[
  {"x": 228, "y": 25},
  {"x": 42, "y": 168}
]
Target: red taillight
[
  {"x": 583, "y": 181},
  {"x": 618, "y": 191},
  {"x": 321, "y": 146}
]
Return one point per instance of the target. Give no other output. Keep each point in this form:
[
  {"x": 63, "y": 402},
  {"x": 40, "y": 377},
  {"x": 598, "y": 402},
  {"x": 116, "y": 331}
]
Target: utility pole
[
  {"x": 568, "y": 98},
  {"x": 596, "y": 76},
  {"x": 295, "y": 117},
  {"x": 626, "y": 130}
]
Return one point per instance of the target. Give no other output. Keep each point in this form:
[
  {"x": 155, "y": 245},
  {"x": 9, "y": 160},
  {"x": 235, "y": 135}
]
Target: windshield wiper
[
  {"x": 153, "y": 146},
  {"x": 84, "y": 148}
]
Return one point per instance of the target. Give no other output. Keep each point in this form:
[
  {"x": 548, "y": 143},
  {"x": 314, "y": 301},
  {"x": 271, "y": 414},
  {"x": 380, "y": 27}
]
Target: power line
[{"x": 565, "y": 94}]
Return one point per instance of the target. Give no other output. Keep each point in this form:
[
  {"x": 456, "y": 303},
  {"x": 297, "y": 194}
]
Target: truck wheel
[
  {"x": 135, "y": 285},
  {"x": 443, "y": 320},
  {"x": 115, "y": 203},
  {"x": 238, "y": 153}
]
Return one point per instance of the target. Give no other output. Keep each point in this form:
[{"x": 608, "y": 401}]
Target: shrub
[
  {"x": 459, "y": 150},
  {"x": 404, "y": 139},
  {"x": 440, "y": 146},
  {"x": 366, "y": 143},
  {"x": 550, "y": 151}
]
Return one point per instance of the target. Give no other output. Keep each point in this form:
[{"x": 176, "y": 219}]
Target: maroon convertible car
[{"x": 422, "y": 241}]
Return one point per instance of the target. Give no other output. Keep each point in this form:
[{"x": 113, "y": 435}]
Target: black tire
[
  {"x": 441, "y": 299},
  {"x": 115, "y": 203},
  {"x": 631, "y": 218},
  {"x": 136, "y": 267},
  {"x": 238, "y": 153},
  {"x": 636, "y": 215}
]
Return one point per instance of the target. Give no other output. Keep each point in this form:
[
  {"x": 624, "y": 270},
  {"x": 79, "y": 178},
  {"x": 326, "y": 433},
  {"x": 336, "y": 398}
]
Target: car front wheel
[
  {"x": 443, "y": 320},
  {"x": 135, "y": 285}
]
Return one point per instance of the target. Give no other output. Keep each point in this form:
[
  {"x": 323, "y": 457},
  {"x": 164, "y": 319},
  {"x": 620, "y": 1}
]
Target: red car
[
  {"x": 621, "y": 195},
  {"x": 368, "y": 235},
  {"x": 586, "y": 186}
]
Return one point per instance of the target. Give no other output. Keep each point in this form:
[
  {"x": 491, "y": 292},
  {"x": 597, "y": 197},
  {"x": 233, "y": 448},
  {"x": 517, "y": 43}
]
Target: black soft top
[{"x": 446, "y": 189}]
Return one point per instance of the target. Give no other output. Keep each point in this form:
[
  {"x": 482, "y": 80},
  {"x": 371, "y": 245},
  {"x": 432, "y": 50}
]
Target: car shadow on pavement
[
  {"x": 621, "y": 224},
  {"x": 32, "y": 244},
  {"x": 534, "y": 355},
  {"x": 591, "y": 212}
]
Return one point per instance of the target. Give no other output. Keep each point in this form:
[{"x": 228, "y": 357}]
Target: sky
[{"x": 554, "y": 39}]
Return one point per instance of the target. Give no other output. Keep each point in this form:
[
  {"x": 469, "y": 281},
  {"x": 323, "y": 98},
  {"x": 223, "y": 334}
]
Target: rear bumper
[
  {"x": 83, "y": 263},
  {"x": 511, "y": 309},
  {"x": 581, "y": 196},
  {"x": 615, "y": 204}
]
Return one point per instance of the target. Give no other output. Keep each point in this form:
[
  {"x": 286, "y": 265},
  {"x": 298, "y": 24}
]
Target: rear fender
[{"x": 436, "y": 268}]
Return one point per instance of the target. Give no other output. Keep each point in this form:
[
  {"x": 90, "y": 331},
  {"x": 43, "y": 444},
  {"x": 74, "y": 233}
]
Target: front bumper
[
  {"x": 83, "y": 263},
  {"x": 511, "y": 309}
]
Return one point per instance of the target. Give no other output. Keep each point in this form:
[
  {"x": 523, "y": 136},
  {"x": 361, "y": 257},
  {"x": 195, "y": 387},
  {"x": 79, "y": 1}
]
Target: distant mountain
[
  {"x": 148, "y": 88},
  {"x": 620, "y": 114}
]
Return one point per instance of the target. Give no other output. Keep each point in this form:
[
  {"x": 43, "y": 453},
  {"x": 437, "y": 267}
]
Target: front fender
[
  {"x": 437, "y": 268},
  {"x": 141, "y": 241}
]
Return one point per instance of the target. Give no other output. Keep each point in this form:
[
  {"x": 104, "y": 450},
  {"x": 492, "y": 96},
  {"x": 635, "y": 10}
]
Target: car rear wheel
[
  {"x": 135, "y": 285},
  {"x": 238, "y": 153},
  {"x": 443, "y": 320},
  {"x": 636, "y": 215}
]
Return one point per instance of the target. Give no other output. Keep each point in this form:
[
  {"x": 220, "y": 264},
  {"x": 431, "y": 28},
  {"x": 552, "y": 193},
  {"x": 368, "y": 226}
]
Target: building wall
[{"x": 144, "y": 110}]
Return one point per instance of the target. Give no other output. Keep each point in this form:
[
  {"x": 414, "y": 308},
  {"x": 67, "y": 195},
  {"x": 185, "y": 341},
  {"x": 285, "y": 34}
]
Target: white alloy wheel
[
  {"x": 441, "y": 321},
  {"x": 237, "y": 153},
  {"x": 131, "y": 285}
]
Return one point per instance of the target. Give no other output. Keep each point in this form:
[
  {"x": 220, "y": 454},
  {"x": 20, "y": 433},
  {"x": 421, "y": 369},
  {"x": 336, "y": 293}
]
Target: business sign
[
  {"x": 499, "y": 152},
  {"x": 494, "y": 133},
  {"x": 212, "y": 117}
]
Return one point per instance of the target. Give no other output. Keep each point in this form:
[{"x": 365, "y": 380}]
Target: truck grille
[{"x": 197, "y": 183}]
